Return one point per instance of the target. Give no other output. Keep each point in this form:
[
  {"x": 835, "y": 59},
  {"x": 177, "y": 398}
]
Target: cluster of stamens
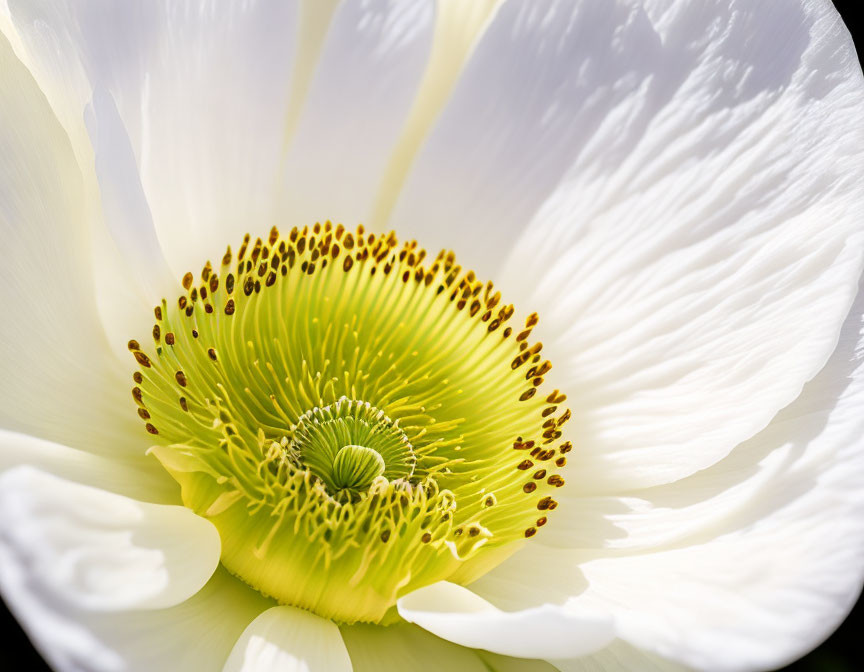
[{"x": 328, "y": 400}]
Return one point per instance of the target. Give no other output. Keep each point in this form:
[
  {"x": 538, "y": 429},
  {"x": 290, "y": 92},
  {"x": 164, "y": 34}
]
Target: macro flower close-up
[{"x": 483, "y": 335}]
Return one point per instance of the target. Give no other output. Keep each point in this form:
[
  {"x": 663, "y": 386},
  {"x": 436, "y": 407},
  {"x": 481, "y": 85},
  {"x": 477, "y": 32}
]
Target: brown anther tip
[
  {"x": 188, "y": 279},
  {"x": 150, "y": 428},
  {"x": 426, "y": 538},
  {"x": 169, "y": 338},
  {"x": 529, "y": 487},
  {"x": 133, "y": 345},
  {"x": 385, "y": 536},
  {"x": 142, "y": 359},
  {"x": 138, "y": 377},
  {"x": 194, "y": 333},
  {"x": 473, "y": 531},
  {"x": 525, "y": 464},
  {"x": 211, "y": 353},
  {"x": 530, "y": 532},
  {"x": 555, "y": 481},
  {"x": 144, "y": 414},
  {"x": 566, "y": 447},
  {"x": 229, "y": 307},
  {"x": 540, "y": 473},
  {"x": 532, "y": 320},
  {"x": 208, "y": 308},
  {"x": 180, "y": 377},
  {"x": 183, "y": 404},
  {"x": 541, "y": 521},
  {"x": 561, "y": 461},
  {"x": 137, "y": 396},
  {"x": 545, "y": 503},
  {"x": 527, "y": 394},
  {"x": 157, "y": 311}
]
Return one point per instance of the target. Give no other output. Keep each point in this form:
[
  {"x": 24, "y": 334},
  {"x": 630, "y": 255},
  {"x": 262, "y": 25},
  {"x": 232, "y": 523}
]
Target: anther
[{"x": 181, "y": 378}]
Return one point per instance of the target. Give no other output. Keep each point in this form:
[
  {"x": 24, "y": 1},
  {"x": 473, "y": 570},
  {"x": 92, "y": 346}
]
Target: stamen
[{"x": 352, "y": 417}]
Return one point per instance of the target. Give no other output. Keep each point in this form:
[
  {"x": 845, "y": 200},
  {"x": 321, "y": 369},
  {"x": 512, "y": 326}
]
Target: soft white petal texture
[
  {"x": 142, "y": 478},
  {"x": 95, "y": 550},
  {"x": 371, "y": 65},
  {"x": 686, "y": 188},
  {"x": 458, "y": 25},
  {"x": 202, "y": 91},
  {"x": 60, "y": 379},
  {"x": 400, "y": 647},
  {"x": 195, "y": 635},
  {"x": 457, "y": 614},
  {"x": 289, "y": 640},
  {"x": 746, "y": 565}
]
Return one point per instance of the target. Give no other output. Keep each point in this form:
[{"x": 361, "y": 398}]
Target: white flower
[{"x": 676, "y": 188}]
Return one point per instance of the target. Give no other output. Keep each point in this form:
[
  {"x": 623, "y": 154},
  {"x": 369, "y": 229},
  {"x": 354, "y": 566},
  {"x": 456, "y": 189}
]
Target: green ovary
[{"x": 355, "y": 424}]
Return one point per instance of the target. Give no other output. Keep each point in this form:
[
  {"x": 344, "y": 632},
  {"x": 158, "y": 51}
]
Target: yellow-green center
[{"x": 355, "y": 423}]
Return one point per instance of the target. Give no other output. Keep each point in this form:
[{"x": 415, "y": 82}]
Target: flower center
[{"x": 356, "y": 424}]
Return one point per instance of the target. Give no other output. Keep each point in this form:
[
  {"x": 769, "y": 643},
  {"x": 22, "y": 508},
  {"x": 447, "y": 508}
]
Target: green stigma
[{"x": 356, "y": 424}]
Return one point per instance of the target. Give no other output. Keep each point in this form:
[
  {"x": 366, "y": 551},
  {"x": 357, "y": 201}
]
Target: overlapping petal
[
  {"x": 94, "y": 576},
  {"x": 290, "y": 640},
  {"x": 61, "y": 381}
]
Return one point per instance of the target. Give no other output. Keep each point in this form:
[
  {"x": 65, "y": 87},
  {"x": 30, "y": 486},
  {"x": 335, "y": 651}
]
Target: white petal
[
  {"x": 371, "y": 65},
  {"x": 202, "y": 93},
  {"x": 545, "y": 631},
  {"x": 94, "y": 550},
  {"x": 699, "y": 238},
  {"x": 747, "y": 565},
  {"x": 195, "y": 635},
  {"x": 289, "y": 640},
  {"x": 60, "y": 379},
  {"x": 139, "y": 477},
  {"x": 406, "y": 647}
]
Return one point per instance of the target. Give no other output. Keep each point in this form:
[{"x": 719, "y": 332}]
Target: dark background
[{"x": 841, "y": 653}]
